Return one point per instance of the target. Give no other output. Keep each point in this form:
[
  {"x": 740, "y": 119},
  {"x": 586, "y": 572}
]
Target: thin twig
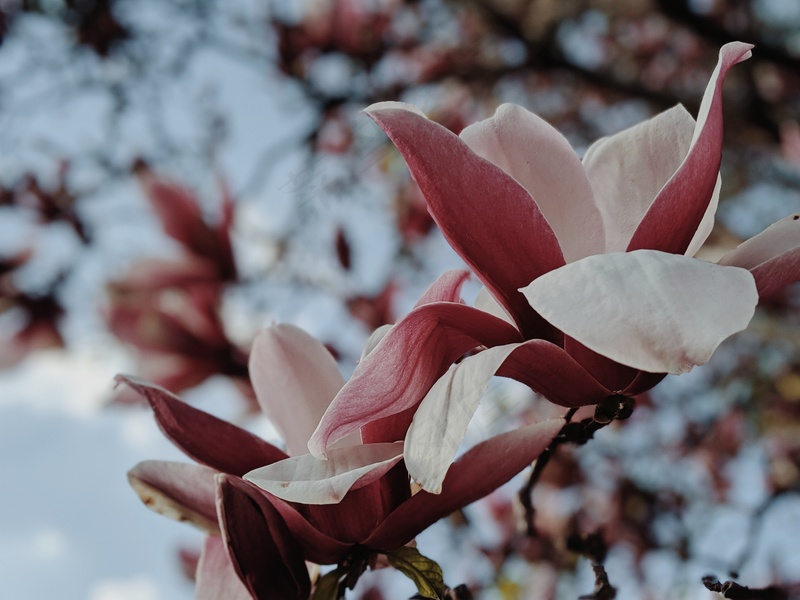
[
  {"x": 734, "y": 591},
  {"x": 612, "y": 408}
]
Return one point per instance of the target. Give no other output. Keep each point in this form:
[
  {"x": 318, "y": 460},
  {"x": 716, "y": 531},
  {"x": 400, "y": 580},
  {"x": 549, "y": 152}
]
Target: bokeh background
[{"x": 176, "y": 174}]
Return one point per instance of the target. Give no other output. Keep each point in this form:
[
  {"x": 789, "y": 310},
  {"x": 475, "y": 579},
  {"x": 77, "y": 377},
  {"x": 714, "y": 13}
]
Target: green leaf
[
  {"x": 424, "y": 572},
  {"x": 327, "y": 587}
]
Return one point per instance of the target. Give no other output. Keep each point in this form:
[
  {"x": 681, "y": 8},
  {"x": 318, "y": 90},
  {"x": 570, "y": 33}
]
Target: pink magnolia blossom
[
  {"x": 591, "y": 288},
  {"x": 169, "y": 311},
  {"x": 310, "y": 509},
  {"x": 169, "y": 308}
]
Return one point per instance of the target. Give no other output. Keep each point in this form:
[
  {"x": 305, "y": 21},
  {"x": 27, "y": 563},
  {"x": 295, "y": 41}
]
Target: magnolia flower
[
  {"x": 590, "y": 285},
  {"x": 169, "y": 308},
  {"x": 320, "y": 511}
]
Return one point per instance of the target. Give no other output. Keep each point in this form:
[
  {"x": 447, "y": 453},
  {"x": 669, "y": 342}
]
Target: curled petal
[
  {"x": 203, "y": 437},
  {"x": 673, "y": 219},
  {"x": 262, "y": 549},
  {"x": 772, "y": 256},
  {"x": 653, "y": 311},
  {"x": 386, "y": 429},
  {"x": 485, "y": 215},
  {"x": 180, "y": 491},
  {"x": 396, "y": 375},
  {"x": 216, "y": 577},
  {"x": 442, "y": 417},
  {"x": 628, "y": 169},
  {"x": 445, "y": 289},
  {"x": 295, "y": 378},
  {"x": 309, "y": 480},
  {"x": 535, "y": 154},
  {"x": 478, "y": 472}
]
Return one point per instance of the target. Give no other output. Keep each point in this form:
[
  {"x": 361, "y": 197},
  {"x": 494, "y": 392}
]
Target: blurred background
[{"x": 176, "y": 174}]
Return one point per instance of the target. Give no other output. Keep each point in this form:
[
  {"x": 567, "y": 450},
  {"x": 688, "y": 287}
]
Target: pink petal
[
  {"x": 388, "y": 429},
  {"x": 203, "y": 437},
  {"x": 354, "y": 518},
  {"x": 649, "y": 310},
  {"x": 677, "y": 212},
  {"x": 644, "y": 381},
  {"x": 180, "y": 491},
  {"x": 772, "y": 256},
  {"x": 610, "y": 374},
  {"x": 295, "y": 378},
  {"x": 399, "y": 372},
  {"x": 628, "y": 169},
  {"x": 485, "y": 215},
  {"x": 542, "y": 161},
  {"x": 182, "y": 219},
  {"x": 177, "y": 208},
  {"x": 478, "y": 472},
  {"x": 310, "y": 480},
  {"x": 550, "y": 371},
  {"x": 445, "y": 289},
  {"x": 264, "y": 553},
  {"x": 216, "y": 577},
  {"x": 317, "y": 546},
  {"x": 442, "y": 417},
  {"x": 385, "y": 429}
]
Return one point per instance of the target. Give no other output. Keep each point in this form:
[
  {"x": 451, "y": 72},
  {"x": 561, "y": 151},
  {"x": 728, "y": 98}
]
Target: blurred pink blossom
[{"x": 169, "y": 309}]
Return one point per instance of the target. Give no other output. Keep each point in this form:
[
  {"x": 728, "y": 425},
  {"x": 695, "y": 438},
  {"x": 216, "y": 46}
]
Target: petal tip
[
  {"x": 318, "y": 447},
  {"x": 389, "y": 105}
]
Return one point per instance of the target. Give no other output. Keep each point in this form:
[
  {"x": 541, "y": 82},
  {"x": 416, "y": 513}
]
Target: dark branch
[
  {"x": 611, "y": 409},
  {"x": 734, "y": 591}
]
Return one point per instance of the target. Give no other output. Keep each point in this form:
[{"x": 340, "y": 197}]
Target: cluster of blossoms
[{"x": 591, "y": 292}]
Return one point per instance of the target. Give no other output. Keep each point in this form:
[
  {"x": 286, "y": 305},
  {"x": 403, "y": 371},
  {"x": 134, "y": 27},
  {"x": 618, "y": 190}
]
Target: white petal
[
  {"x": 444, "y": 414},
  {"x": 707, "y": 224},
  {"x": 310, "y": 480},
  {"x": 779, "y": 238},
  {"x": 392, "y": 105},
  {"x": 646, "y": 309},
  {"x": 629, "y": 168},
  {"x": 486, "y": 302}
]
